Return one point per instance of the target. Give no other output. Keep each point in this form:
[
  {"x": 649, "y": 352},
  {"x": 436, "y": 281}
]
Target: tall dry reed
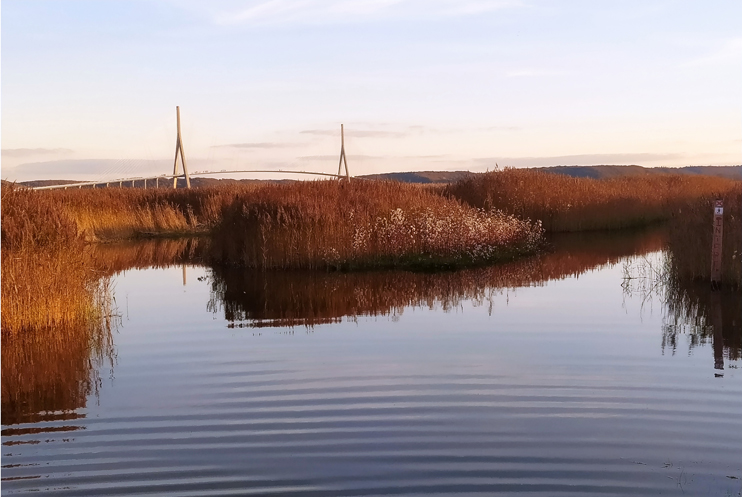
[
  {"x": 563, "y": 203},
  {"x": 361, "y": 224},
  {"x": 46, "y": 277},
  {"x": 306, "y": 224},
  {"x": 690, "y": 239}
]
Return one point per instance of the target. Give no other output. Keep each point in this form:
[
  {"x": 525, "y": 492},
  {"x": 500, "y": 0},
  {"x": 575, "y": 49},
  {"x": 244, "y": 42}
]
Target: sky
[{"x": 89, "y": 88}]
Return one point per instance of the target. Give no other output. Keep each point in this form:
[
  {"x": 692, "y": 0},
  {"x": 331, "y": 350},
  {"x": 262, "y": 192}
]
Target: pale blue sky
[{"x": 89, "y": 88}]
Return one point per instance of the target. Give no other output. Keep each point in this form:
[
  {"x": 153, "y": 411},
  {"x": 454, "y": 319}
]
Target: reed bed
[
  {"x": 116, "y": 214},
  {"x": 563, "y": 203},
  {"x": 46, "y": 277},
  {"x": 329, "y": 224},
  {"x": 690, "y": 238},
  {"x": 300, "y": 225}
]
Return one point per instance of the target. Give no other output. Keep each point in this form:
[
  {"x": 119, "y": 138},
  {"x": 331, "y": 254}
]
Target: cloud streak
[
  {"x": 280, "y": 12},
  {"x": 30, "y": 152},
  {"x": 358, "y": 157},
  {"x": 358, "y": 133},
  {"x": 259, "y": 145}
]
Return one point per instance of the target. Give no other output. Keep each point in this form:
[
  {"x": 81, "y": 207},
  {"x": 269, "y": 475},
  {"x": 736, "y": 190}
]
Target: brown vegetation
[
  {"x": 363, "y": 224},
  {"x": 690, "y": 237},
  {"x": 48, "y": 376},
  {"x": 303, "y": 224},
  {"x": 328, "y": 224},
  {"x": 46, "y": 278},
  {"x": 254, "y": 298},
  {"x": 563, "y": 203}
]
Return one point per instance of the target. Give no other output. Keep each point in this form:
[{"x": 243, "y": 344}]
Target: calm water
[{"x": 551, "y": 376}]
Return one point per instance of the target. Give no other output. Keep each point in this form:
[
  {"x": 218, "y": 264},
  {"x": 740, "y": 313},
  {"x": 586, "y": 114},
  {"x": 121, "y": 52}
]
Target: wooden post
[
  {"x": 343, "y": 159},
  {"x": 145, "y": 183},
  {"x": 717, "y": 323},
  {"x": 716, "y": 244},
  {"x": 179, "y": 149}
]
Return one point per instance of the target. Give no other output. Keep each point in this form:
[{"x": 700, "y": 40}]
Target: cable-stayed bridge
[{"x": 180, "y": 153}]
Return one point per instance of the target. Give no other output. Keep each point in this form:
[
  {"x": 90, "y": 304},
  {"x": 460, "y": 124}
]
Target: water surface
[{"x": 548, "y": 376}]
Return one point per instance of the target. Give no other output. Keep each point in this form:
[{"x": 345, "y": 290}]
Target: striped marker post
[{"x": 716, "y": 244}]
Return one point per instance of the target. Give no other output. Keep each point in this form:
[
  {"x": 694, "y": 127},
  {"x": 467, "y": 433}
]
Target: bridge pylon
[
  {"x": 179, "y": 149},
  {"x": 342, "y": 156}
]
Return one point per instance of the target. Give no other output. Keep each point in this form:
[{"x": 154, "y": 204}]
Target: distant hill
[
  {"x": 595, "y": 172},
  {"x": 422, "y": 176},
  {"x": 46, "y": 182},
  {"x": 606, "y": 172}
]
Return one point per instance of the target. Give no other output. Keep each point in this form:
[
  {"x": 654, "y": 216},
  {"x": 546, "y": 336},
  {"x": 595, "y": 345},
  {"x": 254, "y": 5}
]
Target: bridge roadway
[{"x": 121, "y": 181}]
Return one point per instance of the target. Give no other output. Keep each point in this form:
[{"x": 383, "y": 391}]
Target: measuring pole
[{"x": 716, "y": 244}]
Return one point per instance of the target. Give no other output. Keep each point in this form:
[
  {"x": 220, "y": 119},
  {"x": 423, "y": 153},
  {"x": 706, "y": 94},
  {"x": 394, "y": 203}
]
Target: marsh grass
[
  {"x": 46, "y": 278},
  {"x": 690, "y": 238},
  {"x": 49, "y": 278},
  {"x": 332, "y": 224},
  {"x": 564, "y": 203}
]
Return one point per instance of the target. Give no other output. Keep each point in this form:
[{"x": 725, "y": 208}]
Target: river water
[{"x": 555, "y": 375}]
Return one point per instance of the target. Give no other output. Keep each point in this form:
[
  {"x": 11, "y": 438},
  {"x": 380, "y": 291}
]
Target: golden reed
[
  {"x": 305, "y": 224},
  {"x": 563, "y": 203}
]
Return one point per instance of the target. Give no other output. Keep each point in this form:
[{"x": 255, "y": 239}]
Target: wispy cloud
[
  {"x": 531, "y": 73},
  {"x": 503, "y": 128},
  {"x": 336, "y": 157},
  {"x": 278, "y": 12},
  {"x": 358, "y": 133},
  {"x": 259, "y": 145},
  {"x": 31, "y": 152}
]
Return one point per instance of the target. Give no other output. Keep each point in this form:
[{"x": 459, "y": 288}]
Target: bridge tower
[
  {"x": 179, "y": 149},
  {"x": 342, "y": 155}
]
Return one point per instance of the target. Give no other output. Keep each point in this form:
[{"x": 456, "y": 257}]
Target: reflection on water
[
  {"x": 702, "y": 317},
  {"x": 156, "y": 253},
  {"x": 532, "y": 398},
  {"x": 51, "y": 378},
  {"x": 251, "y": 298},
  {"x": 51, "y": 374}
]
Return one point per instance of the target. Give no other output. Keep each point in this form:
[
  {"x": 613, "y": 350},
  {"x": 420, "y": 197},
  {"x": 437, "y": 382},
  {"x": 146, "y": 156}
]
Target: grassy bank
[{"x": 563, "y": 203}]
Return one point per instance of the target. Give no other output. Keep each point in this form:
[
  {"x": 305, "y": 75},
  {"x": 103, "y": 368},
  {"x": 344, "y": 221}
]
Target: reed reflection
[
  {"x": 50, "y": 374},
  {"x": 152, "y": 253},
  {"x": 250, "y": 298},
  {"x": 704, "y": 317}
]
